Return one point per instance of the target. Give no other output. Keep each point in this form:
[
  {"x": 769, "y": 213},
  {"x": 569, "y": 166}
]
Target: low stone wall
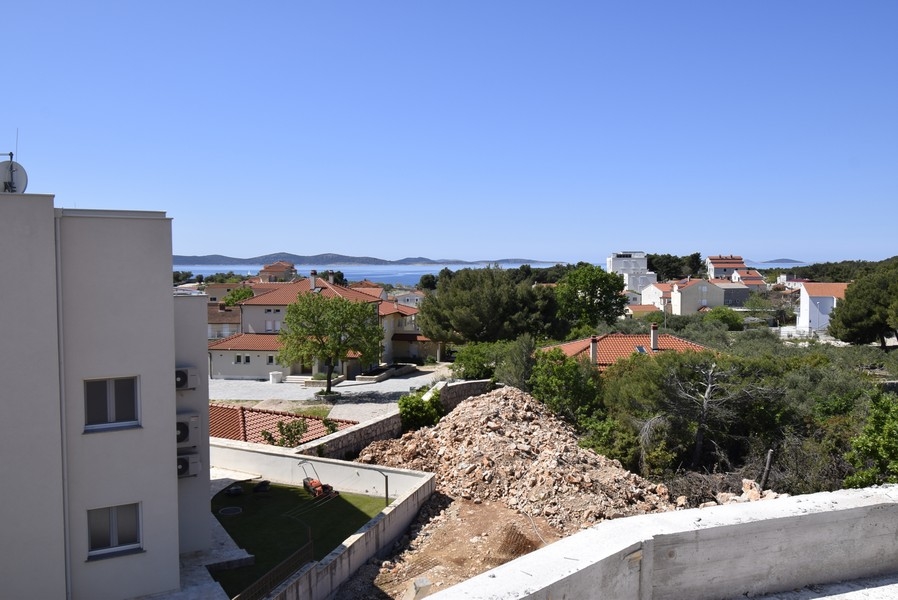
[
  {"x": 404, "y": 491},
  {"x": 349, "y": 442},
  {"x": 452, "y": 394},
  {"x": 726, "y": 551}
]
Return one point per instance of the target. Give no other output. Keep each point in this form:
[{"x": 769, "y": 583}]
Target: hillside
[{"x": 334, "y": 259}]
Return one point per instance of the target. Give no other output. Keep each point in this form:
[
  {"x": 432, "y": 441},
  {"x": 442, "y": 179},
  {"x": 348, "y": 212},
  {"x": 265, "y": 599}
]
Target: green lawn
[{"x": 276, "y": 523}]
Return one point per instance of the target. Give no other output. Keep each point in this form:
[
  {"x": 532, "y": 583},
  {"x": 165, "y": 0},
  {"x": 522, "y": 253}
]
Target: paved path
[{"x": 358, "y": 401}]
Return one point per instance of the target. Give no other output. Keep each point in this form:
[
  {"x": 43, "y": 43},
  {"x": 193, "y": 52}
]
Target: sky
[{"x": 470, "y": 130}]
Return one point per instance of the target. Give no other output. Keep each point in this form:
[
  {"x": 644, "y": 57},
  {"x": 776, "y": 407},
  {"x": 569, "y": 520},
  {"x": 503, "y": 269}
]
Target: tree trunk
[{"x": 329, "y": 366}]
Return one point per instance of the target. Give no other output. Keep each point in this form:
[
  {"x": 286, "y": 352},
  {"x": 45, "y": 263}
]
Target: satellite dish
[{"x": 13, "y": 176}]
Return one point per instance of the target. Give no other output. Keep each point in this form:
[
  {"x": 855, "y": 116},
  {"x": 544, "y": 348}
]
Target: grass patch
[
  {"x": 319, "y": 412},
  {"x": 276, "y": 523}
]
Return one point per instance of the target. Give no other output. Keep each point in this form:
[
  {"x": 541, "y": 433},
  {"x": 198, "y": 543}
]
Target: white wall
[
  {"x": 190, "y": 351},
  {"x": 117, "y": 317},
  {"x": 33, "y": 564}
]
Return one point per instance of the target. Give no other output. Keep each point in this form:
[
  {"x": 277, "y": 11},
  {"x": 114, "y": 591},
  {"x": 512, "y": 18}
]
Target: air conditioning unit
[
  {"x": 188, "y": 430},
  {"x": 186, "y": 378},
  {"x": 188, "y": 465}
]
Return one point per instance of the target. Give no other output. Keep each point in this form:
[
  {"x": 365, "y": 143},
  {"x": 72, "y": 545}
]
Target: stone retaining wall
[{"x": 347, "y": 443}]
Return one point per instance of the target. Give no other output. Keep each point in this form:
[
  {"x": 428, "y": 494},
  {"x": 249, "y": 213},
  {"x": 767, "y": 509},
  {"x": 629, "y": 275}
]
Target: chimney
[
  {"x": 654, "y": 337},
  {"x": 312, "y": 275},
  {"x": 594, "y": 350},
  {"x": 330, "y": 277}
]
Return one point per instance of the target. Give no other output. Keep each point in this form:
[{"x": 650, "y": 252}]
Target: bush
[{"x": 416, "y": 412}]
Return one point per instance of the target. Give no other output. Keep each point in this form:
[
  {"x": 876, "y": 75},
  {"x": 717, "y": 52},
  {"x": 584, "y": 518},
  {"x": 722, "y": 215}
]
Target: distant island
[
  {"x": 337, "y": 259},
  {"x": 782, "y": 261}
]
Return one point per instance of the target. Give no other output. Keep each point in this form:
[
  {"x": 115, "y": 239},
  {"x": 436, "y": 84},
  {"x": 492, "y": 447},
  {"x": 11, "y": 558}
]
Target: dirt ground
[{"x": 461, "y": 539}]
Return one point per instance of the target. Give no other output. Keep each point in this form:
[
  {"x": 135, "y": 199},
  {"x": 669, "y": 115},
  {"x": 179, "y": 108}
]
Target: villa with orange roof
[
  {"x": 605, "y": 350},
  {"x": 817, "y": 303},
  {"x": 723, "y": 267}
]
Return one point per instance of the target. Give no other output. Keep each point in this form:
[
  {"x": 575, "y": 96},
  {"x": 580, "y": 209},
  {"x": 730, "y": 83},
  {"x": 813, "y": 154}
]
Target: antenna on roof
[{"x": 14, "y": 178}]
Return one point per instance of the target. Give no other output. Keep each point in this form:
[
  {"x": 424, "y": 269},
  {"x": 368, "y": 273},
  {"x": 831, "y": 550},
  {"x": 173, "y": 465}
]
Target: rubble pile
[{"x": 504, "y": 446}]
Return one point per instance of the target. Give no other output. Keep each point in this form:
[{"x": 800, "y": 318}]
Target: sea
[
  {"x": 396, "y": 275},
  {"x": 402, "y": 275}
]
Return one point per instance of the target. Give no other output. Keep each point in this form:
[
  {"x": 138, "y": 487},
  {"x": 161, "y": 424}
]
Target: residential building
[
  {"x": 633, "y": 266},
  {"x": 221, "y": 320},
  {"x": 690, "y": 296},
  {"x": 735, "y": 293},
  {"x": 658, "y": 295},
  {"x": 277, "y": 271},
  {"x": 723, "y": 267},
  {"x": 95, "y": 505},
  {"x": 407, "y": 344},
  {"x": 249, "y": 356},
  {"x": 412, "y": 298},
  {"x": 816, "y": 305},
  {"x": 751, "y": 278},
  {"x": 604, "y": 350}
]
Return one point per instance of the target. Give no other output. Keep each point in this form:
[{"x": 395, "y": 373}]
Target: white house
[
  {"x": 100, "y": 365},
  {"x": 633, "y": 265},
  {"x": 817, "y": 303}
]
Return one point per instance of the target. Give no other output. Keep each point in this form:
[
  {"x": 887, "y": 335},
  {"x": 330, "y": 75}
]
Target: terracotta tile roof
[
  {"x": 391, "y": 308},
  {"x": 374, "y": 292},
  {"x": 259, "y": 342},
  {"x": 217, "y": 314},
  {"x": 642, "y": 308},
  {"x": 726, "y": 261},
  {"x": 826, "y": 290},
  {"x": 285, "y": 294},
  {"x": 262, "y": 342},
  {"x": 247, "y": 424},
  {"x": 612, "y": 347}
]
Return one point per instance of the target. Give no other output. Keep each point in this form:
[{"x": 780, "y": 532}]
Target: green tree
[
  {"x": 479, "y": 305},
  {"x": 237, "y": 295},
  {"x": 428, "y": 281},
  {"x": 478, "y": 360},
  {"x": 725, "y": 315},
  {"x": 874, "y": 452},
  {"x": 416, "y": 412},
  {"x": 571, "y": 388},
  {"x": 179, "y": 277},
  {"x": 869, "y": 311},
  {"x": 289, "y": 433},
  {"x": 329, "y": 329},
  {"x": 516, "y": 363},
  {"x": 589, "y": 295}
]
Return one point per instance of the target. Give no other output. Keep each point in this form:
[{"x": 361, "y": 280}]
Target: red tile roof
[
  {"x": 612, "y": 347},
  {"x": 285, "y": 294},
  {"x": 247, "y": 424},
  {"x": 263, "y": 342},
  {"x": 217, "y": 313},
  {"x": 826, "y": 290},
  {"x": 642, "y": 308},
  {"x": 391, "y": 308}
]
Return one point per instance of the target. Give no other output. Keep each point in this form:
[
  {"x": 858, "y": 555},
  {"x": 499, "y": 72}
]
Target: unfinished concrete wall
[{"x": 710, "y": 553}]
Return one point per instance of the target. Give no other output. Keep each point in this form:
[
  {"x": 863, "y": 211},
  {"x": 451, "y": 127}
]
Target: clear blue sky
[{"x": 475, "y": 130}]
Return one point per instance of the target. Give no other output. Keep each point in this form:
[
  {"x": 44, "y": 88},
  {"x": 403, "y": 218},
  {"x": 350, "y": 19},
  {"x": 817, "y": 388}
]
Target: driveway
[{"x": 358, "y": 401}]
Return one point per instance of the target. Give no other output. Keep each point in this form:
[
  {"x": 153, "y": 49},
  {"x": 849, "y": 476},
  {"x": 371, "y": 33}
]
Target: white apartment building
[
  {"x": 633, "y": 265},
  {"x": 101, "y": 497}
]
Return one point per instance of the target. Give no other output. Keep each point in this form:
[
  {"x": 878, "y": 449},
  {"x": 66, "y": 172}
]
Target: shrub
[{"x": 416, "y": 412}]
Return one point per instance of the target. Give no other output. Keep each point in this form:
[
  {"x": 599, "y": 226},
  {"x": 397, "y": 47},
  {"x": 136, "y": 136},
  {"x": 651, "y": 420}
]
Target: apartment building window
[
  {"x": 110, "y": 403},
  {"x": 246, "y": 359},
  {"x": 277, "y": 326},
  {"x": 113, "y": 530},
  {"x": 271, "y": 359},
  {"x": 238, "y": 359},
  {"x": 269, "y": 326},
  {"x": 268, "y": 310},
  {"x": 277, "y": 310}
]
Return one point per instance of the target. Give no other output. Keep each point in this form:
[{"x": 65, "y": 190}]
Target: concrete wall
[
  {"x": 725, "y": 551},
  {"x": 30, "y": 431},
  {"x": 190, "y": 351},
  {"x": 405, "y": 491},
  {"x": 118, "y": 321}
]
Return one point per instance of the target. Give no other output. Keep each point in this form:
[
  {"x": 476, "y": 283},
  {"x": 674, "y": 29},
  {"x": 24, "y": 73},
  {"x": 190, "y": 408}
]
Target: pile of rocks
[{"x": 504, "y": 446}]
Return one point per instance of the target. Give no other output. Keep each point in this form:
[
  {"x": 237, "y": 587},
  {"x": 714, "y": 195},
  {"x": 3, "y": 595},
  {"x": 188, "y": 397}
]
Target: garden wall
[{"x": 405, "y": 491}]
